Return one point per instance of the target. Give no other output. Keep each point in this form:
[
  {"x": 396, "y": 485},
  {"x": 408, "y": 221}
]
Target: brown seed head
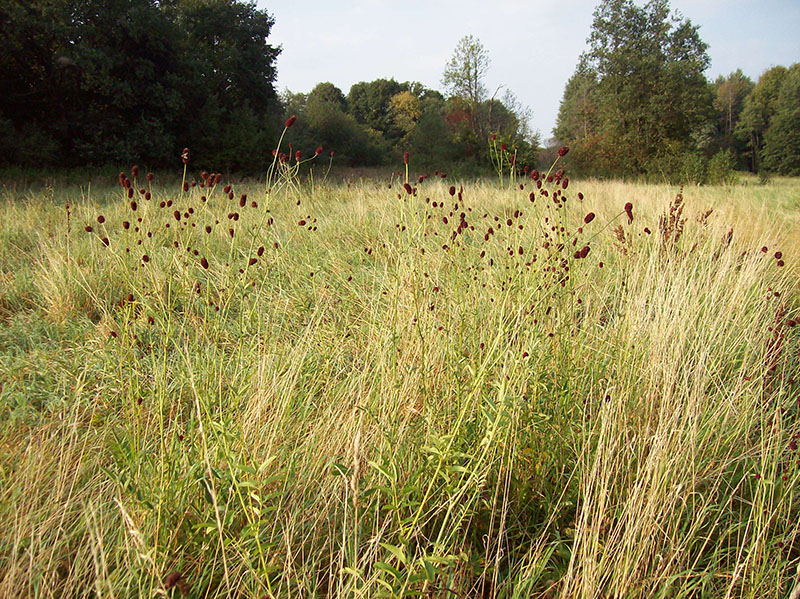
[{"x": 629, "y": 211}]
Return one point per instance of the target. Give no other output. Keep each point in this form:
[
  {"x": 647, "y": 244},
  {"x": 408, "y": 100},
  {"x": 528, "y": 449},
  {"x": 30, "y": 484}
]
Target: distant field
[{"x": 347, "y": 390}]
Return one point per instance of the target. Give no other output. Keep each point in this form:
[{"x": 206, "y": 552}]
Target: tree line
[
  {"x": 100, "y": 82},
  {"x": 97, "y": 82},
  {"x": 639, "y": 104}
]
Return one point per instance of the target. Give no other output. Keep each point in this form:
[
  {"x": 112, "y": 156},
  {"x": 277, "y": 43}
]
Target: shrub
[
  {"x": 722, "y": 168},
  {"x": 694, "y": 169}
]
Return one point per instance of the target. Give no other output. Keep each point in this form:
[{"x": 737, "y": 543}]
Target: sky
[{"x": 533, "y": 46}]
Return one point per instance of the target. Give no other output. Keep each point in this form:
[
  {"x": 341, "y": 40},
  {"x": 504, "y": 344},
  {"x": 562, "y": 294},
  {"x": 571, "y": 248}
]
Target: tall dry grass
[{"x": 360, "y": 412}]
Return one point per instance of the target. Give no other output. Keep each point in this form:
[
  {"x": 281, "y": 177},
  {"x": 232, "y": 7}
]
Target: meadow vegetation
[{"x": 415, "y": 386}]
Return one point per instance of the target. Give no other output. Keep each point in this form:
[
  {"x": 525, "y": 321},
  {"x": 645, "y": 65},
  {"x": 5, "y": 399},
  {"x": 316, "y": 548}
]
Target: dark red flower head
[
  {"x": 629, "y": 211},
  {"x": 318, "y": 151},
  {"x": 185, "y": 155},
  {"x": 562, "y": 151},
  {"x": 298, "y": 155},
  {"x": 405, "y": 157},
  {"x": 588, "y": 218},
  {"x": 290, "y": 121}
]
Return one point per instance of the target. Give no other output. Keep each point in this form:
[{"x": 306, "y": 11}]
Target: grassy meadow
[{"x": 344, "y": 389}]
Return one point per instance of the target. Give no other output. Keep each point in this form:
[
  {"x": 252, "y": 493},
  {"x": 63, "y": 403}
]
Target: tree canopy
[
  {"x": 93, "y": 82},
  {"x": 638, "y": 92},
  {"x": 115, "y": 81}
]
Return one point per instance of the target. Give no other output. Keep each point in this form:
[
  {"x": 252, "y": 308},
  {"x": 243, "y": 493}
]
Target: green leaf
[
  {"x": 398, "y": 552},
  {"x": 387, "y": 568}
]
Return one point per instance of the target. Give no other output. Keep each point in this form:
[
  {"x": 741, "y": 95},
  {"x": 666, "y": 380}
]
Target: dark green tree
[
  {"x": 322, "y": 121},
  {"x": 578, "y": 122},
  {"x": 127, "y": 62},
  {"x": 370, "y": 104},
  {"x": 114, "y": 81},
  {"x": 759, "y": 108},
  {"x": 232, "y": 108},
  {"x": 650, "y": 94},
  {"x": 781, "y": 151},
  {"x": 328, "y": 92},
  {"x": 431, "y": 142},
  {"x": 729, "y": 95}
]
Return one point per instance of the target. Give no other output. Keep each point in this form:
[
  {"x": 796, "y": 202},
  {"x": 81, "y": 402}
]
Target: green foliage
[
  {"x": 370, "y": 105},
  {"x": 577, "y": 118},
  {"x": 694, "y": 169},
  {"x": 650, "y": 92},
  {"x": 722, "y": 168},
  {"x": 729, "y": 97},
  {"x": 465, "y": 71},
  {"x": 759, "y": 108},
  {"x": 328, "y": 93},
  {"x": 321, "y": 121},
  {"x": 431, "y": 141},
  {"x": 781, "y": 152},
  {"x": 122, "y": 81},
  {"x": 334, "y": 129}
]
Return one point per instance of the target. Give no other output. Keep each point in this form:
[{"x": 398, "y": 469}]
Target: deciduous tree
[
  {"x": 650, "y": 92},
  {"x": 781, "y": 152}
]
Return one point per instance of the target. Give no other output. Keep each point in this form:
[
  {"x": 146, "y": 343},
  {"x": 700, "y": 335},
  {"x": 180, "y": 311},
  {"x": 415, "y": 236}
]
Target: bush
[
  {"x": 722, "y": 168},
  {"x": 694, "y": 169}
]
